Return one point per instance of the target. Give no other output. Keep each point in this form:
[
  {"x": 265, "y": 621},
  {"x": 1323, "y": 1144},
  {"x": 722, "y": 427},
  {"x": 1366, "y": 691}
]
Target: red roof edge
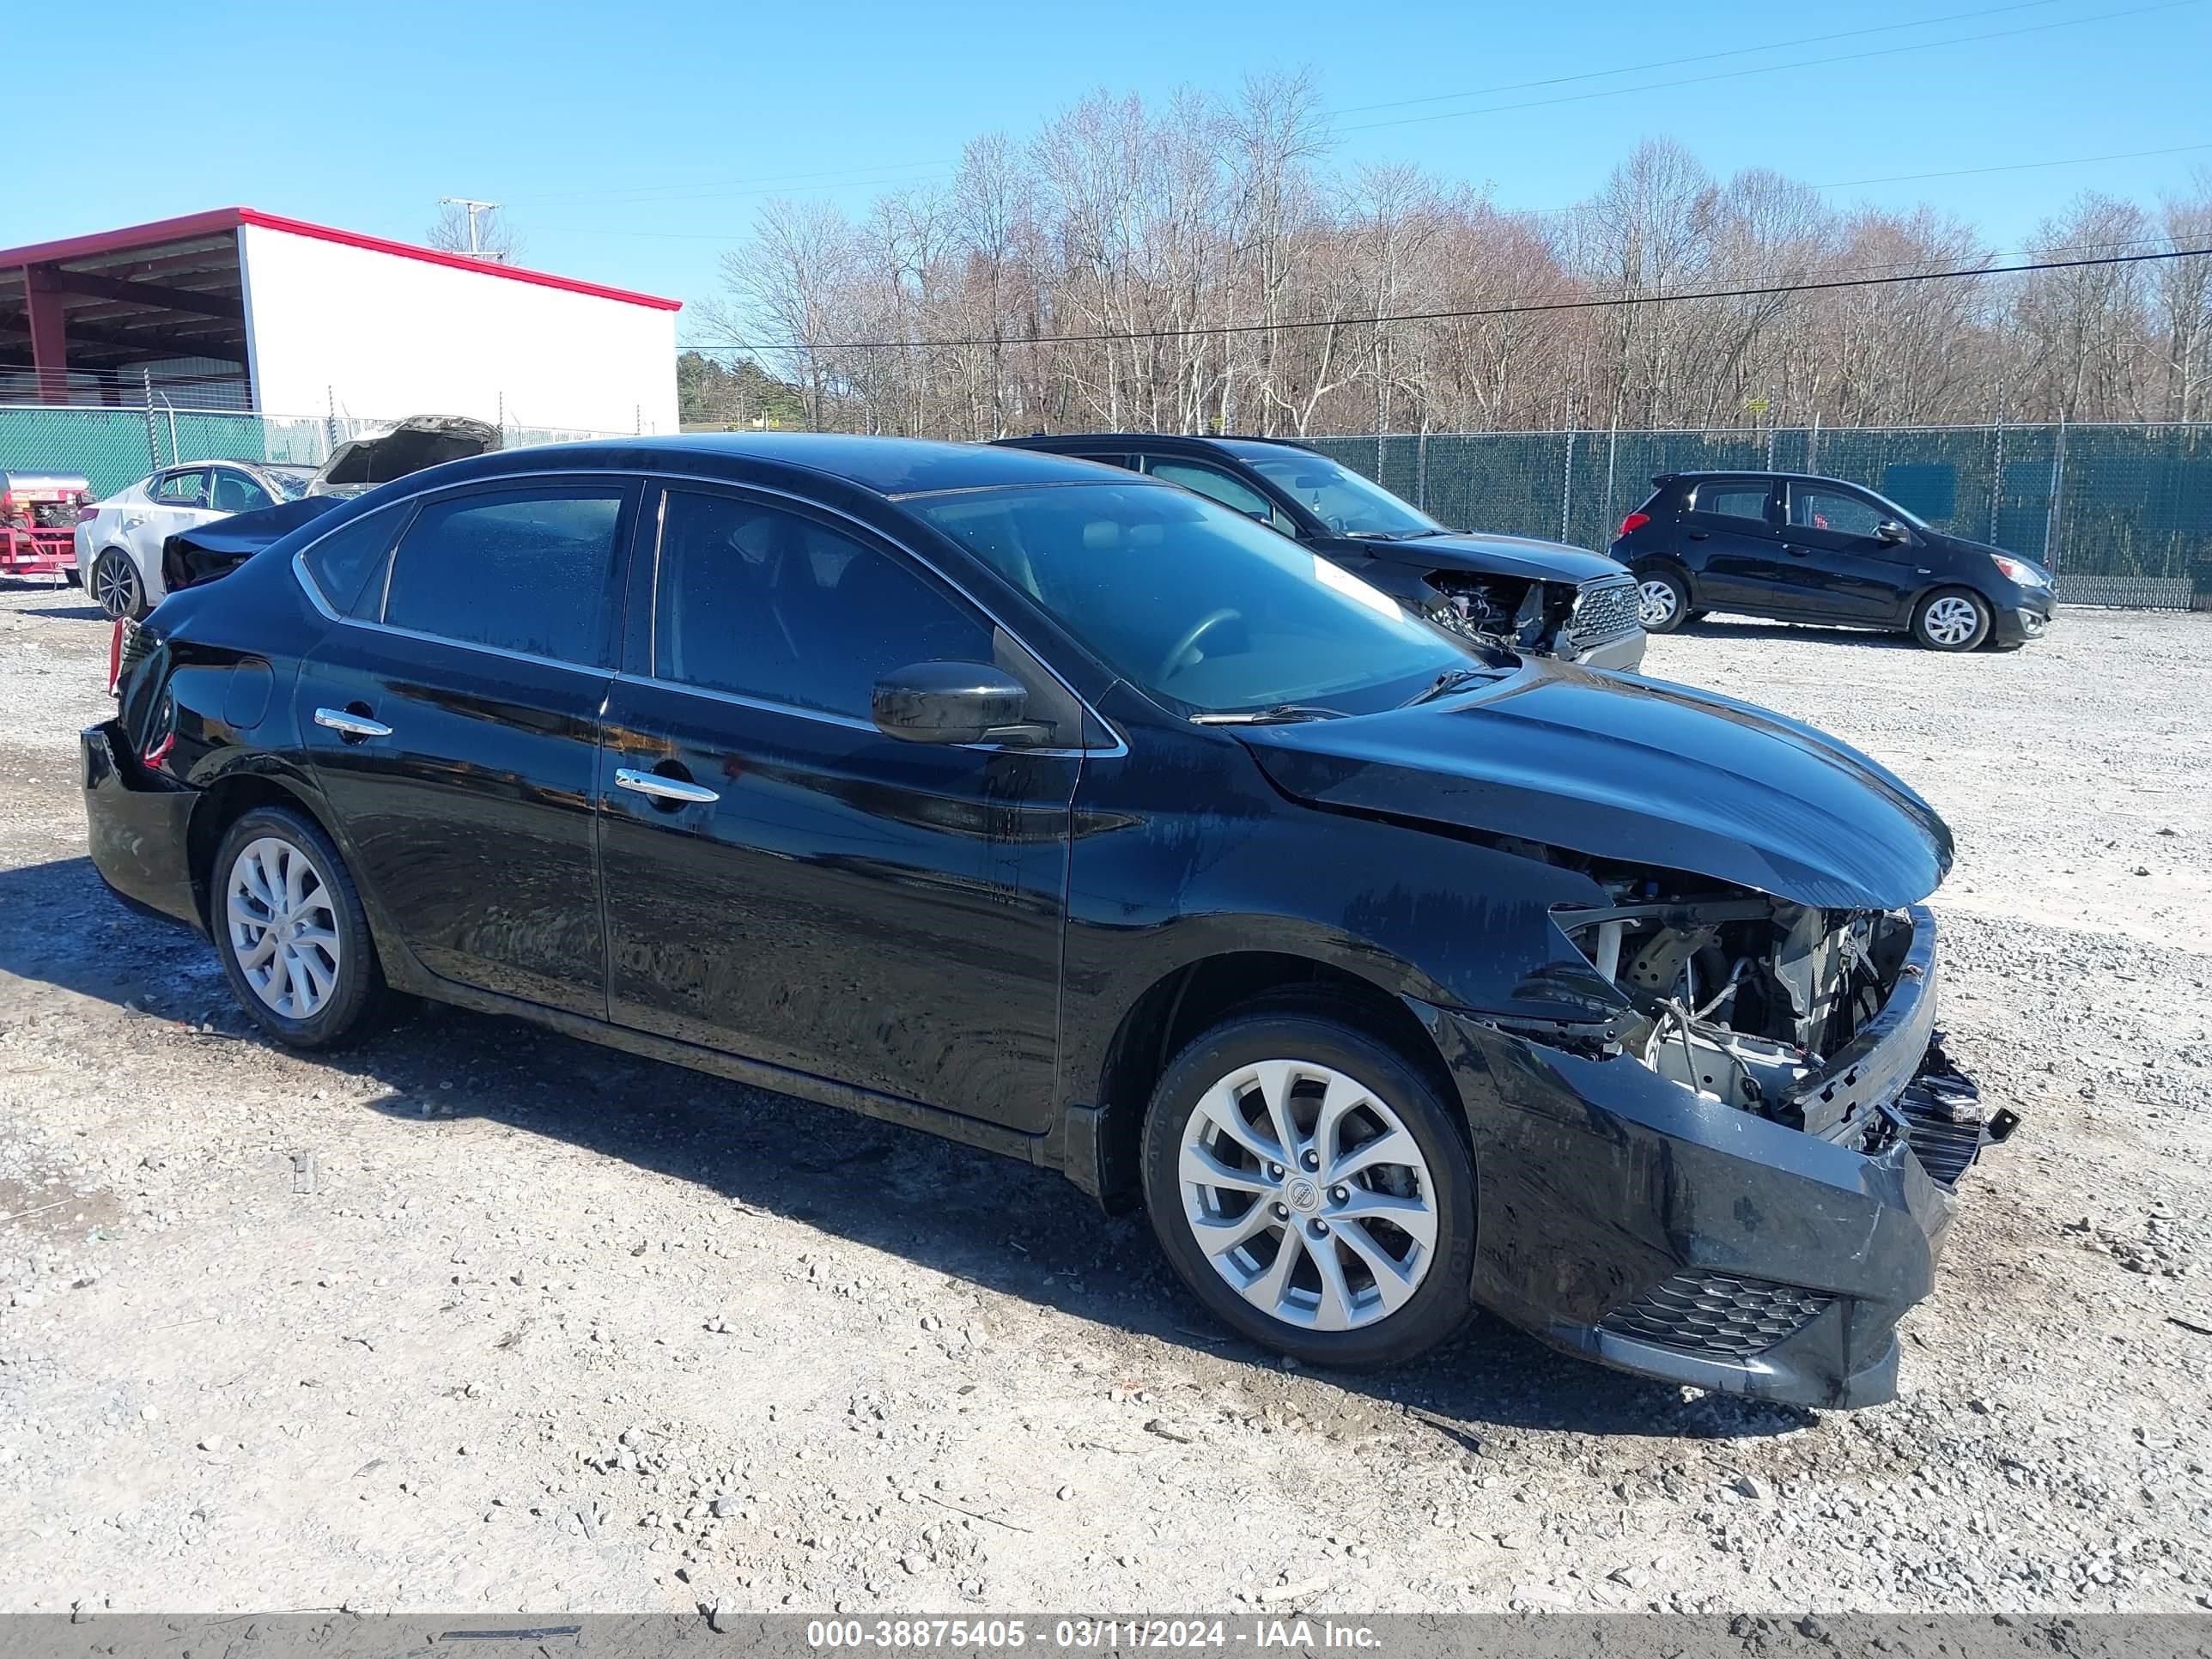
[
  {"x": 185, "y": 229},
  {"x": 455, "y": 261},
  {"x": 193, "y": 225}
]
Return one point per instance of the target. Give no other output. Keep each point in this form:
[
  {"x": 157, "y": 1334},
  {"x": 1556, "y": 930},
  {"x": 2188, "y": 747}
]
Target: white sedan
[{"x": 118, "y": 543}]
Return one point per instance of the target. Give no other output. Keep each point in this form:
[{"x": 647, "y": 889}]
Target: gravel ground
[{"x": 481, "y": 1316}]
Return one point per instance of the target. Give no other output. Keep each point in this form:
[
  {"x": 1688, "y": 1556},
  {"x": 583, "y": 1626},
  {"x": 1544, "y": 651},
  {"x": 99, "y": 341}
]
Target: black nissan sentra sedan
[{"x": 1075, "y": 817}]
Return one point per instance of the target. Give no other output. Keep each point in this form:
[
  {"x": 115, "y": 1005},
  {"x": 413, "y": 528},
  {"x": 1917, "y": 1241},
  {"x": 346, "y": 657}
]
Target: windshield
[
  {"x": 291, "y": 481},
  {"x": 1347, "y": 504},
  {"x": 1195, "y": 603}
]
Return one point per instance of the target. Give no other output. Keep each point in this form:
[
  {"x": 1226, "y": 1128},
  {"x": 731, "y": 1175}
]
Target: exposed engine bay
[
  {"x": 1504, "y": 610},
  {"x": 1739, "y": 997}
]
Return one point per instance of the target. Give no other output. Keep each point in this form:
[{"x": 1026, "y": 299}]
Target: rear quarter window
[{"x": 340, "y": 564}]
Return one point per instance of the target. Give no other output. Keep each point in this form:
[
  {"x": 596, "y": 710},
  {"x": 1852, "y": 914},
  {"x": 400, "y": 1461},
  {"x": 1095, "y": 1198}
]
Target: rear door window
[
  {"x": 1736, "y": 499},
  {"x": 521, "y": 569},
  {"x": 182, "y": 489}
]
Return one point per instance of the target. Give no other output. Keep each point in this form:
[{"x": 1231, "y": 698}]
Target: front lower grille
[
  {"x": 1717, "y": 1314},
  {"x": 1604, "y": 610}
]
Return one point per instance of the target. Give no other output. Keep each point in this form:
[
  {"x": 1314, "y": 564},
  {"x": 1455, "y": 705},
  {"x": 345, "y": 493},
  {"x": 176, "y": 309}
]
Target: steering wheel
[{"x": 1188, "y": 642}]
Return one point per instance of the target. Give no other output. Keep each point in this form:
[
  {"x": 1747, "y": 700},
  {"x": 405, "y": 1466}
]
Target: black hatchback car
[
  {"x": 1806, "y": 549},
  {"x": 1564, "y": 601},
  {"x": 1079, "y": 818}
]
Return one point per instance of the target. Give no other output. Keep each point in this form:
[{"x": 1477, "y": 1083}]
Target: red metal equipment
[{"x": 38, "y": 515}]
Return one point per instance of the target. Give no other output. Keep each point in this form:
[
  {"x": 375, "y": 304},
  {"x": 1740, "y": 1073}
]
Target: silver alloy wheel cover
[
  {"x": 1951, "y": 620},
  {"x": 1265, "y": 1199},
  {"x": 1655, "y": 603},
  {"x": 283, "y": 926},
  {"x": 114, "y": 584}
]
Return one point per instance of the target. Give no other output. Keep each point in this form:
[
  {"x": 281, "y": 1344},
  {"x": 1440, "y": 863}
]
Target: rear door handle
[
  {"x": 347, "y": 724},
  {"x": 659, "y": 788}
]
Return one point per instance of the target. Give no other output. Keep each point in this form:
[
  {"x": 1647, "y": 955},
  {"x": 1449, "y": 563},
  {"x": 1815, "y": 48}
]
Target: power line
[
  {"x": 649, "y": 195},
  {"x": 2014, "y": 166},
  {"x": 1694, "y": 57},
  {"x": 1768, "y": 68},
  {"x": 1594, "y": 303}
]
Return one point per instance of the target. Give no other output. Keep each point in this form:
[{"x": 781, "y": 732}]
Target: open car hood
[
  {"x": 1631, "y": 770},
  {"x": 1500, "y": 556},
  {"x": 395, "y": 450}
]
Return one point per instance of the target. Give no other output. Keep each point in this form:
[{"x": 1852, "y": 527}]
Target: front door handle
[
  {"x": 347, "y": 724},
  {"x": 658, "y": 788},
  {"x": 1796, "y": 552}
]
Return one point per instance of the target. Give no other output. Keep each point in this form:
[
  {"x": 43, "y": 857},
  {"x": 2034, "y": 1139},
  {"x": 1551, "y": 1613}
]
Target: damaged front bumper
[{"x": 1637, "y": 1222}]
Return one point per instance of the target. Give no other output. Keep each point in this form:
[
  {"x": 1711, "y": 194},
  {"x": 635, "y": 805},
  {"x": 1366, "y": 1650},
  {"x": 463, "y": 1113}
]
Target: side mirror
[
  {"x": 948, "y": 703},
  {"x": 1889, "y": 532}
]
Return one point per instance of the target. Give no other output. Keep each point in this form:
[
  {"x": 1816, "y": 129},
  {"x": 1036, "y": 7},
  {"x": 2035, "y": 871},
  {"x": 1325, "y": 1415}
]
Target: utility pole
[{"x": 472, "y": 208}]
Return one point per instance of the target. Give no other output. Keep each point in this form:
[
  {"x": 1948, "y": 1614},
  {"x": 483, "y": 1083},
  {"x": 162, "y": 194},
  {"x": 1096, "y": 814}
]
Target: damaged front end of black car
[
  {"x": 1717, "y": 1137},
  {"x": 1767, "y": 1134}
]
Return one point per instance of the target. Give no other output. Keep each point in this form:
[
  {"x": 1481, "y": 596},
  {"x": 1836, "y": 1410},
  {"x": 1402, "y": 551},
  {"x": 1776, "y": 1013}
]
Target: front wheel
[
  {"x": 294, "y": 940},
  {"x": 1310, "y": 1186},
  {"x": 1662, "y": 600},
  {"x": 1952, "y": 619},
  {"x": 117, "y": 586}
]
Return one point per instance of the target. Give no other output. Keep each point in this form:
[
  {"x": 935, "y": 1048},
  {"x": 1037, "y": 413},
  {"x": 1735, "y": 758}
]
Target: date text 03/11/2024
[{"x": 1089, "y": 1635}]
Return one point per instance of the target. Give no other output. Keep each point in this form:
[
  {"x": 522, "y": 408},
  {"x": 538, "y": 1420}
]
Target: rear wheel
[
  {"x": 116, "y": 586},
  {"x": 1952, "y": 619},
  {"x": 1662, "y": 600},
  {"x": 1308, "y": 1185},
  {"x": 294, "y": 940}
]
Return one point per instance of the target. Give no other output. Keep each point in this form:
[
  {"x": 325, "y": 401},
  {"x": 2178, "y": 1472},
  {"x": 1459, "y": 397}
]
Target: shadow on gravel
[
  {"x": 64, "y": 604},
  {"x": 1746, "y": 627},
  {"x": 1015, "y": 1230}
]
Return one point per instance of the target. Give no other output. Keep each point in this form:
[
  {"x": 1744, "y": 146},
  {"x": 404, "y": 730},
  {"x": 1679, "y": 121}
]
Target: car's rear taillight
[
  {"x": 87, "y": 512},
  {"x": 1633, "y": 522},
  {"x": 115, "y": 654}
]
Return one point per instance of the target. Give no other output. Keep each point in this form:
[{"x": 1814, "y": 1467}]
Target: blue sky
[{"x": 631, "y": 146}]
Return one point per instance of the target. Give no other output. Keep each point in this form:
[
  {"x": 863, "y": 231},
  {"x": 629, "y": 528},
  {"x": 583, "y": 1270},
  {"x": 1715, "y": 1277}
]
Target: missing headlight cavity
[
  {"x": 1500, "y": 609},
  {"x": 1739, "y": 997}
]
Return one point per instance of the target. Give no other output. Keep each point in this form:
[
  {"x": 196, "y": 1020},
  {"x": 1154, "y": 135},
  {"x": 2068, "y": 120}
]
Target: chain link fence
[
  {"x": 114, "y": 448},
  {"x": 2120, "y": 514}
]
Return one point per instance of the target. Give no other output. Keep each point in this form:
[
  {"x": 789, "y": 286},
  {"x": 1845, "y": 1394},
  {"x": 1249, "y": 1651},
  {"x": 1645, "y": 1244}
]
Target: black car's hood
[
  {"x": 1631, "y": 769},
  {"x": 1500, "y": 556}
]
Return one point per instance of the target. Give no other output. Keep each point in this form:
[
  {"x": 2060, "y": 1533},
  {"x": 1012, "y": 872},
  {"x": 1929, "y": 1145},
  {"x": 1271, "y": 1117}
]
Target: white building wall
[{"x": 387, "y": 335}]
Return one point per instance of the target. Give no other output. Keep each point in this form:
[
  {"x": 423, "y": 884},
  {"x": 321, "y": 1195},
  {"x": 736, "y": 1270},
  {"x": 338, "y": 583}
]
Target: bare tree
[{"x": 1195, "y": 265}]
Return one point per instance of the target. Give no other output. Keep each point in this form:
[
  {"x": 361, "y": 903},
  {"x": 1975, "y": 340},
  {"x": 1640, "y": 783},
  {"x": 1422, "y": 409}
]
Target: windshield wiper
[
  {"x": 1283, "y": 714},
  {"x": 1446, "y": 683},
  {"x": 1391, "y": 535}
]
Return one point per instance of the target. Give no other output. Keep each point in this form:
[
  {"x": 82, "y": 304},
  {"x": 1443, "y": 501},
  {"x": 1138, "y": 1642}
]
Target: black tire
[
  {"x": 357, "y": 997},
  {"x": 1662, "y": 615},
  {"x": 117, "y": 586},
  {"x": 1936, "y": 620},
  {"x": 1697, "y": 615},
  {"x": 1322, "y": 1034},
  {"x": 71, "y": 575}
]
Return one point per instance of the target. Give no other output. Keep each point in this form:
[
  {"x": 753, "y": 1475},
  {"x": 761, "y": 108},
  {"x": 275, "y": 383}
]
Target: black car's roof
[
  {"x": 1665, "y": 479},
  {"x": 1234, "y": 444},
  {"x": 884, "y": 466}
]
